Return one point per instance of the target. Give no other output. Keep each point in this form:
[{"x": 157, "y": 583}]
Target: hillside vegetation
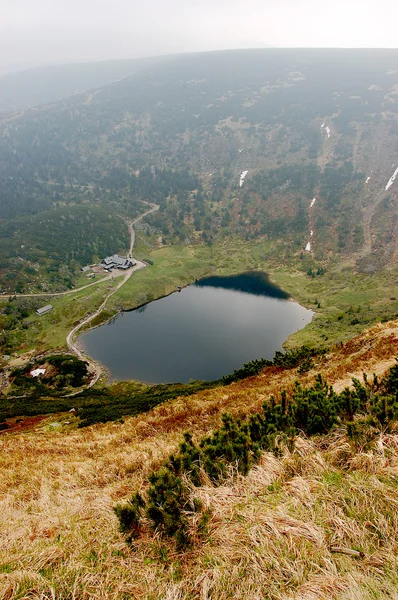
[
  {"x": 181, "y": 131},
  {"x": 315, "y": 520},
  {"x": 52, "y": 245},
  {"x": 41, "y": 85},
  {"x": 279, "y": 481}
]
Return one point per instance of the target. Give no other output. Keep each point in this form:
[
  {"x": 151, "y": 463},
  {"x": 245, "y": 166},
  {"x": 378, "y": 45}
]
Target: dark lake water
[{"x": 203, "y": 332}]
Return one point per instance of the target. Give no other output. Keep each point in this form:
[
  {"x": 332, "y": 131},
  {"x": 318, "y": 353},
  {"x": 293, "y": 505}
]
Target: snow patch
[
  {"x": 242, "y": 178},
  {"x": 327, "y": 129},
  {"x": 323, "y": 125},
  {"x": 241, "y": 150},
  {"x": 367, "y": 180},
  {"x": 37, "y": 372},
  {"x": 392, "y": 179},
  {"x": 308, "y": 246}
]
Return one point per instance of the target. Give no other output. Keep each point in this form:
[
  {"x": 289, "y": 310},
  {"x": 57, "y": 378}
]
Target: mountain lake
[{"x": 206, "y": 330}]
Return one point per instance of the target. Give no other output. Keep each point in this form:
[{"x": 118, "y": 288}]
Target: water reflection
[{"x": 207, "y": 330}]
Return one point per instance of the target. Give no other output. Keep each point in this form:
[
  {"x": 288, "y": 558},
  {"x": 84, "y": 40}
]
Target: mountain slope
[
  {"x": 289, "y": 153},
  {"x": 302, "y": 123},
  {"x": 32, "y": 87},
  {"x": 272, "y": 534}
]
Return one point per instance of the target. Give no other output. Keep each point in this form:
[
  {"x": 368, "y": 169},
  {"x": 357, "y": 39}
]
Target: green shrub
[
  {"x": 287, "y": 360},
  {"x": 129, "y": 516},
  {"x": 314, "y": 410},
  {"x": 230, "y": 444},
  {"x": 166, "y": 499}
]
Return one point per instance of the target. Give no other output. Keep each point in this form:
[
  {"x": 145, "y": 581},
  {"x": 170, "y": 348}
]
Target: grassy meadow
[
  {"x": 344, "y": 302},
  {"x": 317, "y": 522},
  {"x": 49, "y": 331}
]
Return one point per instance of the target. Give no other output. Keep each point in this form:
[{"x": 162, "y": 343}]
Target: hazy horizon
[{"x": 52, "y": 32}]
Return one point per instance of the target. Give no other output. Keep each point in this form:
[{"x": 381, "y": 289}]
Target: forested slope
[{"x": 227, "y": 143}]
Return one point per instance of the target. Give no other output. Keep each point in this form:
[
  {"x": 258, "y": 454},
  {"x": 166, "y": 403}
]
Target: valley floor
[
  {"x": 345, "y": 302},
  {"x": 287, "y": 530}
]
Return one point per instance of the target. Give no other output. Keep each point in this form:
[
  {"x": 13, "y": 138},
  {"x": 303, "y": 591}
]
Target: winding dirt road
[
  {"x": 70, "y": 339},
  {"x": 130, "y": 225},
  {"x": 73, "y": 346}
]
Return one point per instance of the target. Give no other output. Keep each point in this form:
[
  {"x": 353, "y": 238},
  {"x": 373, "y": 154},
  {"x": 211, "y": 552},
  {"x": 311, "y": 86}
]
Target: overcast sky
[{"x": 38, "y": 32}]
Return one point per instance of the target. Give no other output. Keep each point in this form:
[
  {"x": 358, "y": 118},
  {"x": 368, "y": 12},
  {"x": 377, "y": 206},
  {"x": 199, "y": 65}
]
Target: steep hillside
[
  {"x": 278, "y": 160},
  {"x": 230, "y": 142},
  {"x": 281, "y": 161},
  {"x": 316, "y": 520},
  {"x": 57, "y": 242},
  {"x": 41, "y": 85}
]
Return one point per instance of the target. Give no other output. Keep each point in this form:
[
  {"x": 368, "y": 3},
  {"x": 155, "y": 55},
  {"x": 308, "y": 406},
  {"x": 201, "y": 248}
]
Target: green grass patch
[
  {"x": 47, "y": 332},
  {"x": 345, "y": 303}
]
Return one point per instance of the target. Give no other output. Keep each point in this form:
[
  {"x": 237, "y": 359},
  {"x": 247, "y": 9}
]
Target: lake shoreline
[{"x": 202, "y": 335}]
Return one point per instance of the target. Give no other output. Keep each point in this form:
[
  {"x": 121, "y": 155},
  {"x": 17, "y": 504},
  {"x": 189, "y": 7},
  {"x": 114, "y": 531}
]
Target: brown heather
[{"x": 272, "y": 534}]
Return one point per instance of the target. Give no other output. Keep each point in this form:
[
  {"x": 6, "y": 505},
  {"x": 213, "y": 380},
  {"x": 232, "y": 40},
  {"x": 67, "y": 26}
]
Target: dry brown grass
[{"x": 270, "y": 533}]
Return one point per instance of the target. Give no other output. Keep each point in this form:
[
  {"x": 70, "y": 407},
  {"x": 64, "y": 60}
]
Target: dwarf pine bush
[
  {"x": 165, "y": 501},
  {"x": 129, "y": 516},
  {"x": 315, "y": 410},
  {"x": 297, "y": 357}
]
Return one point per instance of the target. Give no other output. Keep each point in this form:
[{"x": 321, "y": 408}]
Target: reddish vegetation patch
[{"x": 23, "y": 424}]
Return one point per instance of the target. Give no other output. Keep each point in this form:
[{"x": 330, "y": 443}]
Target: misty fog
[{"x": 55, "y": 31}]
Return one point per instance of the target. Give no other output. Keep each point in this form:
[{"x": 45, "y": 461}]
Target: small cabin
[
  {"x": 117, "y": 262},
  {"x": 45, "y": 309}
]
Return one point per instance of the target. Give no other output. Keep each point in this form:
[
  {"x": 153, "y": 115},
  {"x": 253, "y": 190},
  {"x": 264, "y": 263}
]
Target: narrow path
[
  {"x": 60, "y": 293},
  {"x": 130, "y": 224},
  {"x": 70, "y": 339}
]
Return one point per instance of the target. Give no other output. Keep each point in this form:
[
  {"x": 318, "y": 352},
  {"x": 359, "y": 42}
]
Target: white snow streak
[
  {"x": 37, "y": 372},
  {"x": 242, "y": 178},
  {"x": 323, "y": 125},
  {"x": 327, "y": 129},
  {"x": 308, "y": 246},
  {"x": 392, "y": 179},
  {"x": 367, "y": 180}
]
